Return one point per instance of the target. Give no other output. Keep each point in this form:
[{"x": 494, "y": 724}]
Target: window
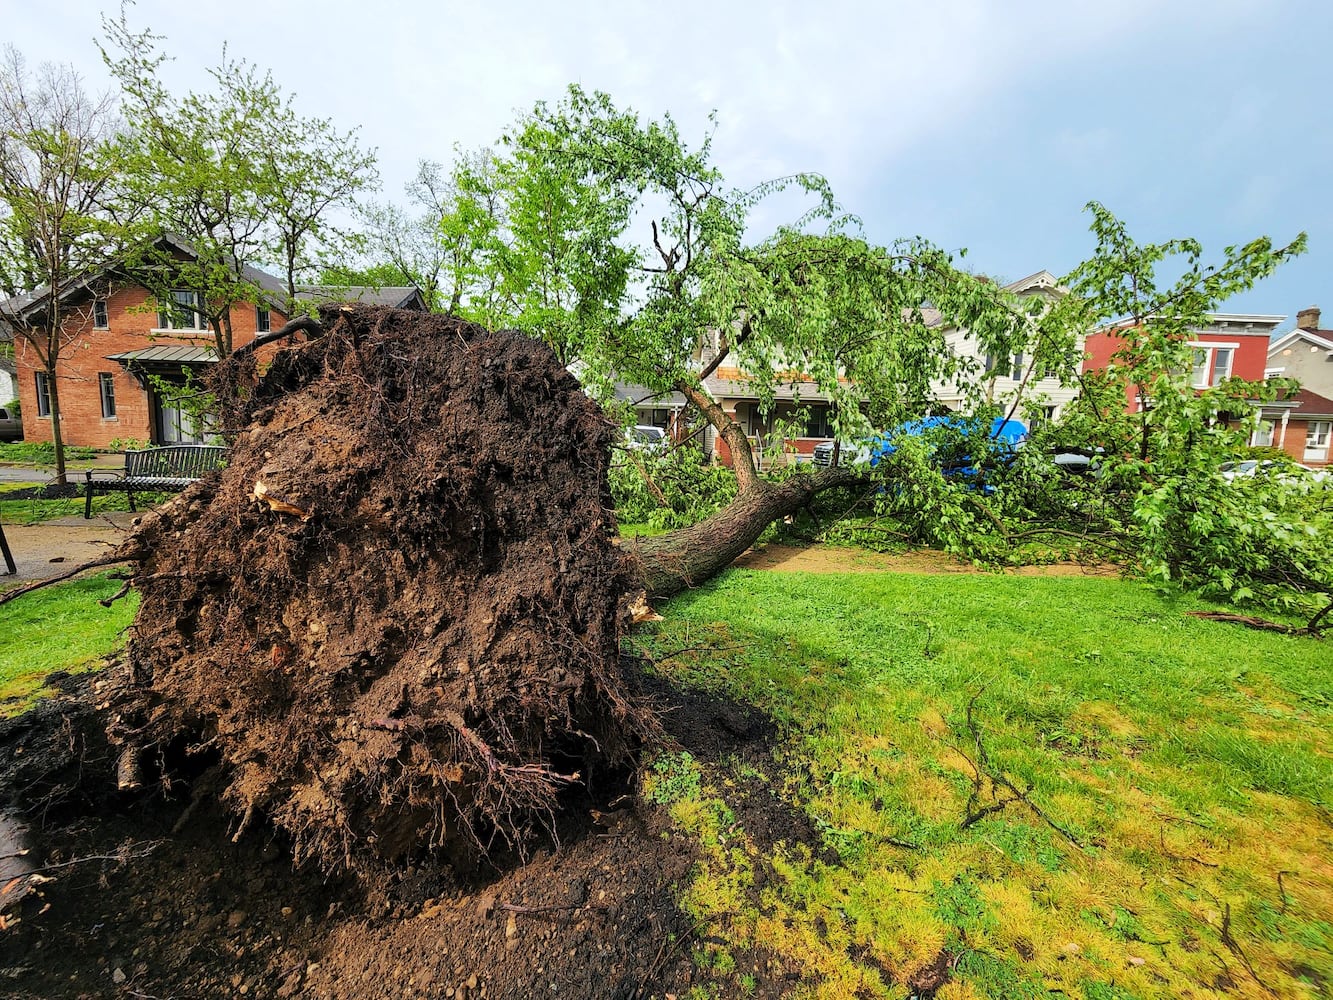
[
  {"x": 1316, "y": 434},
  {"x": 1040, "y": 416},
  {"x": 818, "y": 424},
  {"x": 101, "y": 321},
  {"x": 1212, "y": 364},
  {"x": 106, "y": 383},
  {"x": 43, "y": 395},
  {"x": 261, "y": 320},
  {"x": 1199, "y": 375},
  {"x": 177, "y": 425},
  {"x": 185, "y": 312},
  {"x": 1015, "y": 371}
]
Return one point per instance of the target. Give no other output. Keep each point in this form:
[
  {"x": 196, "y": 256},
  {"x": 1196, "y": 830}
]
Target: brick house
[
  {"x": 1302, "y": 425},
  {"x": 117, "y": 336},
  {"x": 1230, "y": 345}
]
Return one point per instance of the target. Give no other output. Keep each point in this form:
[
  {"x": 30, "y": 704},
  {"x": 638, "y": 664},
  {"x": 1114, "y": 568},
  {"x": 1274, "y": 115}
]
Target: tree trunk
[
  {"x": 57, "y": 433},
  {"x": 689, "y": 556}
]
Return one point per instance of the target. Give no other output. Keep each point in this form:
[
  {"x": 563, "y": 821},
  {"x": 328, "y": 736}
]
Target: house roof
[
  {"x": 1311, "y": 404},
  {"x": 628, "y": 392},
  {"x": 274, "y": 289},
  {"x": 1316, "y": 338},
  {"x": 1033, "y": 282},
  {"x": 398, "y": 296}
]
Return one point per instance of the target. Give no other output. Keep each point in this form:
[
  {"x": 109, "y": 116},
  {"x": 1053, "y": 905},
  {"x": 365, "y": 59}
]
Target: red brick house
[
  {"x": 1231, "y": 345},
  {"x": 118, "y": 336}
]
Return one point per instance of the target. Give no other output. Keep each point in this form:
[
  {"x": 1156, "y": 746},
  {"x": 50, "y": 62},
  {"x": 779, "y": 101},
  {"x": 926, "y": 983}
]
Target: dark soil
[
  {"x": 373, "y": 736},
  {"x": 393, "y": 619},
  {"x": 153, "y": 898},
  {"x": 50, "y": 491}
]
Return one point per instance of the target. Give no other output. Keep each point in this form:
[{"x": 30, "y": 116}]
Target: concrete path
[{"x": 48, "y": 549}]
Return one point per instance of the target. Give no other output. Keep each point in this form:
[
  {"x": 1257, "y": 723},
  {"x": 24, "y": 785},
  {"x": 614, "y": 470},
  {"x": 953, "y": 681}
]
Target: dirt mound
[
  {"x": 393, "y": 619},
  {"x": 151, "y": 898}
]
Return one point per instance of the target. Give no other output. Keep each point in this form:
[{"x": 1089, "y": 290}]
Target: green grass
[
  {"x": 42, "y": 454},
  {"x": 60, "y": 628},
  {"x": 1172, "y": 770},
  {"x": 31, "y": 511}
]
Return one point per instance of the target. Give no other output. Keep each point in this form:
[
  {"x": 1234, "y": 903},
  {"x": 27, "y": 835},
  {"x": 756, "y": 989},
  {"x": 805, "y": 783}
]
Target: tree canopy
[{"x": 57, "y": 228}]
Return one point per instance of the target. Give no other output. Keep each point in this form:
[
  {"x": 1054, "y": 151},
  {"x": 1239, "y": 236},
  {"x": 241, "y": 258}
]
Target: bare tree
[{"x": 55, "y": 231}]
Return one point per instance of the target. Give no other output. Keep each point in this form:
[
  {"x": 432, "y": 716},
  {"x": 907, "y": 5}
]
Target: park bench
[{"x": 168, "y": 469}]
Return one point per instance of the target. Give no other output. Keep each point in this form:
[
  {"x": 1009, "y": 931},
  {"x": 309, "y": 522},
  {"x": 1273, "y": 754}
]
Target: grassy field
[
  {"x": 61, "y": 628},
  {"x": 1023, "y": 787},
  {"x": 1020, "y": 787}
]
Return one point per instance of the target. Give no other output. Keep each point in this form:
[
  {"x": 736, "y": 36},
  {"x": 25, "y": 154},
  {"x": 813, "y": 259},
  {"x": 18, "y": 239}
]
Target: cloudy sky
[{"x": 985, "y": 124}]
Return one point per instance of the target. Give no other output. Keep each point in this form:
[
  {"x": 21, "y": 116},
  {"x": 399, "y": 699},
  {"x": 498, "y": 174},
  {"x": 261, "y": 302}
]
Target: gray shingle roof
[{"x": 167, "y": 355}]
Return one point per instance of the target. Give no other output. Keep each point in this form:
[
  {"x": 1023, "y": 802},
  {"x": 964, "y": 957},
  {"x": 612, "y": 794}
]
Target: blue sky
[{"x": 982, "y": 124}]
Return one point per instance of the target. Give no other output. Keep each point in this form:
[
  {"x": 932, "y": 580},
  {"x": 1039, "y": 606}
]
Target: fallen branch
[
  {"x": 1234, "y": 947},
  {"x": 10, "y": 595},
  {"x": 1312, "y": 630},
  {"x": 981, "y": 767}
]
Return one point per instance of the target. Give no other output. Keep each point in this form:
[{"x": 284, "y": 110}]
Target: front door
[{"x": 176, "y": 425}]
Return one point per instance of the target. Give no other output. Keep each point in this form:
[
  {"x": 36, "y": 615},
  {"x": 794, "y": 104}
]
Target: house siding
[{"x": 1249, "y": 352}]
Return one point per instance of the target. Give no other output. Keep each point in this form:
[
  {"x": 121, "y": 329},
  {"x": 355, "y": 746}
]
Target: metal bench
[{"x": 168, "y": 469}]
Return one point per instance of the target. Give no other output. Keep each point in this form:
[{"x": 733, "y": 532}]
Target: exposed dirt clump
[
  {"x": 150, "y": 896},
  {"x": 393, "y": 618}
]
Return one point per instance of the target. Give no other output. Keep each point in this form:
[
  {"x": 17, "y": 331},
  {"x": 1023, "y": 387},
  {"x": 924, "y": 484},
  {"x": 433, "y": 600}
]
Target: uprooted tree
[
  {"x": 608, "y": 238},
  {"x": 394, "y": 618}
]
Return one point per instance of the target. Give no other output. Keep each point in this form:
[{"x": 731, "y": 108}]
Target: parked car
[
  {"x": 11, "y": 427},
  {"x": 1287, "y": 471},
  {"x": 643, "y": 437}
]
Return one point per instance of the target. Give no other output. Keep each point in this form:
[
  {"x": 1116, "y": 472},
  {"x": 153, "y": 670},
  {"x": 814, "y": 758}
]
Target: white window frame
[
  {"x": 191, "y": 316},
  {"x": 101, "y": 315},
  {"x": 1205, "y": 373},
  {"x": 263, "y": 320},
  {"x": 1316, "y": 434}
]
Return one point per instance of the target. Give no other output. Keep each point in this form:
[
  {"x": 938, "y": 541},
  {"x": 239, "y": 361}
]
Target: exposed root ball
[{"x": 396, "y": 613}]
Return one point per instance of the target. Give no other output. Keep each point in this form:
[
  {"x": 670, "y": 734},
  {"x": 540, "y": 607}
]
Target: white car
[
  {"x": 642, "y": 437},
  {"x": 1271, "y": 467}
]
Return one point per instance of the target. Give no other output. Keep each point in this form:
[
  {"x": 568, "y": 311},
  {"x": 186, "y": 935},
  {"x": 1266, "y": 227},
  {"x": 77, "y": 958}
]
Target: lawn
[
  {"x": 1021, "y": 786},
  {"x": 1018, "y": 786},
  {"x": 29, "y": 510},
  {"x": 60, "y": 628}
]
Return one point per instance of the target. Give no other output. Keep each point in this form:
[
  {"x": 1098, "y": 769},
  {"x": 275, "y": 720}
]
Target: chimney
[{"x": 1308, "y": 319}]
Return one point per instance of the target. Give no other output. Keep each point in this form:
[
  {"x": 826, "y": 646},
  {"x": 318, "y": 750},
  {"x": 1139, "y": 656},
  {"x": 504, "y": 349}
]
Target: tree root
[{"x": 116, "y": 560}]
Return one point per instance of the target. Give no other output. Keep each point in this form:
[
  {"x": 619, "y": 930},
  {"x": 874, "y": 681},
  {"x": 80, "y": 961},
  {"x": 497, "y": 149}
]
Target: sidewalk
[
  {"x": 14, "y": 473},
  {"x": 48, "y": 549}
]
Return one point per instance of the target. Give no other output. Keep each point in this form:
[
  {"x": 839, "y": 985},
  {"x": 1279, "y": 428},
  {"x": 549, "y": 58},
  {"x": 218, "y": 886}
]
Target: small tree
[
  {"x": 56, "y": 227},
  {"x": 241, "y": 178}
]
